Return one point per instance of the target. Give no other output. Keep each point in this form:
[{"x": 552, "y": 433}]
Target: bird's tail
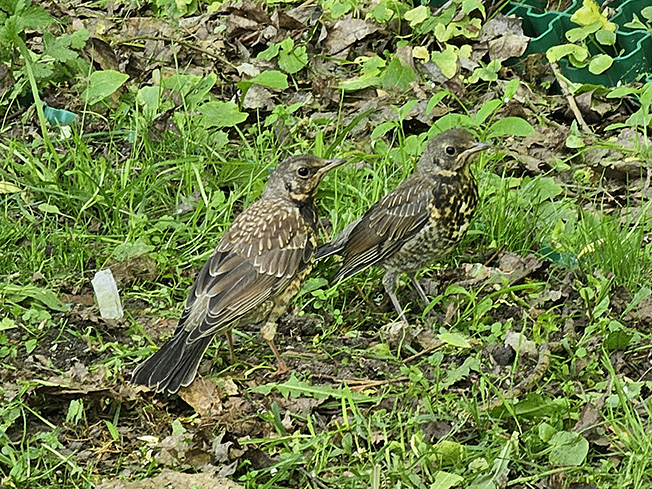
[
  {"x": 174, "y": 365},
  {"x": 326, "y": 250},
  {"x": 337, "y": 244}
]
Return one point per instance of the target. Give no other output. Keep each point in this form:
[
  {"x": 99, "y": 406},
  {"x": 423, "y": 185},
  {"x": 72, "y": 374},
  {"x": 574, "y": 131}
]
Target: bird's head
[
  {"x": 450, "y": 152},
  {"x": 298, "y": 177}
]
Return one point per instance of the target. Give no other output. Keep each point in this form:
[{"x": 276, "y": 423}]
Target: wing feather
[
  {"x": 386, "y": 226},
  {"x": 249, "y": 265}
]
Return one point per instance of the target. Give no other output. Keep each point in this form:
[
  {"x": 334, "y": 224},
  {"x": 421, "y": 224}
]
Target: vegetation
[{"x": 131, "y": 138}]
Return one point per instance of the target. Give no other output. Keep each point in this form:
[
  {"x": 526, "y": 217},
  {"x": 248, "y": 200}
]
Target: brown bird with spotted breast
[
  {"x": 257, "y": 267},
  {"x": 419, "y": 222}
]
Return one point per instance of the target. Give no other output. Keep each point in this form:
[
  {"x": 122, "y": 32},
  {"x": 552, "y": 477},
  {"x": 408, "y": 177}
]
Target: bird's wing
[
  {"x": 257, "y": 258},
  {"x": 386, "y": 226}
]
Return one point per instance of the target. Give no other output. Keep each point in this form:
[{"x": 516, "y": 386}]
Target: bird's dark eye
[
  {"x": 303, "y": 172},
  {"x": 450, "y": 150}
]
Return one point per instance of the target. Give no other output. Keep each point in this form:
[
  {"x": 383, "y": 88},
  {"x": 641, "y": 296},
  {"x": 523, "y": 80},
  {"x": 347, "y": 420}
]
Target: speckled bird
[
  {"x": 258, "y": 266},
  {"x": 419, "y": 222}
]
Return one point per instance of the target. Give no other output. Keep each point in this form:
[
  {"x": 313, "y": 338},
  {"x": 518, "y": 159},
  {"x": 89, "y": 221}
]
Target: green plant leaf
[
  {"x": 398, "y": 75},
  {"x": 149, "y": 98},
  {"x": 132, "y": 249},
  {"x": 600, "y": 63},
  {"x": 454, "y": 339},
  {"x": 647, "y": 13},
  {"x": 9, "y": 188},
  {"x": 488, "y": 108},
  {"x": 555, "y": 53},
  {"x": 270, "y": 79},
  {"x": 221, "y": 114},
  {"x": 101, "y": 84},
  {"x": 294, "y": 60},
  {"x": 446, "y": 480},
  {"x": 581, "y": 33},
  {"x": 371, "y": 75},
  {"x": 590, "y": 13},
  {"x": 469, "y": 6},
  {"x": 19, "y": 293},
  {"x": 446, "y": 60},
  {"x": 635, "y": 23},
  {"x": 417, "y": 15},
  {"x": 511, "y": 88},
  {"x": 451, "y": 120},
  {"x": 381, "y": 129},
  {"x": 298, "y": 388},
  {"x": 646, "y": 95},
  {"x": 488, "y": 72},
  {"x": 435, "y": 99},
  {"x": 515, "y": 126},
  {"x": 573, "y": 142},
  {"x": 270, "y": 53},
  {"x": 605, "y": 37},
  {"x": 568, "y": 449},
  {"x": 621, "y": 92},
  {"x": 34, "y": 18},
  {"x": 540, "y": 189},
  {"x": 49, "y": 209}
]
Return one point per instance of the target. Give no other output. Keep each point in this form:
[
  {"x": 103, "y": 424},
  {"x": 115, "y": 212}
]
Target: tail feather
[
  {"x": 326, "y": 250},
  {"x": 337, "y": 244},
  {"x": 174, "y": 365}
]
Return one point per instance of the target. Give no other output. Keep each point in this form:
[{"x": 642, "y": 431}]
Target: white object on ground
[{"x": 106, "y": 292}]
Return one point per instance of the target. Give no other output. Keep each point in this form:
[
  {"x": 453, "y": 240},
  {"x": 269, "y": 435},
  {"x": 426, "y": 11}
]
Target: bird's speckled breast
[{"x": 451, "y": 211}]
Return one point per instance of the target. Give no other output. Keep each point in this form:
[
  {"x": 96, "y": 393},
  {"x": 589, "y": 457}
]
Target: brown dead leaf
[
  {"x": 520, "y": 344},
  {"x": 426, "y": 339},
  {"x": 102, "y": 53},
  {"x": 345, "y": 32},
  {"x": 204, "y": 397},
  {"x": 397, "y": 334},
  {"x": 306, "y": 14},
  {"x": 170, "y": 479},
  {"x": 82, "y": 300},
  {"x": 502, "y": 37},
  {"x": 284, "y": 21},
  {"x": 258, "y": 97},
  {"x": 519, "y": 267},
  {"x": 592, "y": 108}
]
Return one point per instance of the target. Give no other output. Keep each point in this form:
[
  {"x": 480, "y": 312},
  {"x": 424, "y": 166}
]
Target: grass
[
  {"x": 125, "y": 196},
  {"x": 74, "y": 218}
]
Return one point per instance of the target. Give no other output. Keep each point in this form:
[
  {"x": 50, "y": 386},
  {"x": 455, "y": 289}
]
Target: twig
[
  {"x": 499, "y": 250},
  {"x": 424, "y": 352},
  {"x": 313, "y": 479},
  {"x": 571, "y": 100},
  {"x": 187, "y": 44},
  {"x": 366, "y": 300}
]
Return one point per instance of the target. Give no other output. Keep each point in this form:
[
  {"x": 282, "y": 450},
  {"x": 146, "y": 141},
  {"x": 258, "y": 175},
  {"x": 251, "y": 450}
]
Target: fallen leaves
[{"x": 171, "y": 479}]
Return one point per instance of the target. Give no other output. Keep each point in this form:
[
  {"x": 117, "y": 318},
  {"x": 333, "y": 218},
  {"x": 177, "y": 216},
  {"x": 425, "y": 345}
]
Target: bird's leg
[
  {"x": 420, "y": 291},
  {"x": 390, "y": 282},
  {"x": 229, "y": 339},
  {"x": 268, "y": 332}
]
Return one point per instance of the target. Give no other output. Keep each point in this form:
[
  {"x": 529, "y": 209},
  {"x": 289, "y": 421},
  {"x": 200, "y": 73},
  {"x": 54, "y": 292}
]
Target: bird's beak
[
  {"x": 330, "y": 164},
  {"x": 464, "y": 156},
  {"x": 473, "y": 149}
]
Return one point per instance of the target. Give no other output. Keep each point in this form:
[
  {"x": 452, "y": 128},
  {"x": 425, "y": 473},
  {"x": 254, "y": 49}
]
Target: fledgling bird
[
  {"x": 419, "y": 222},
  {"x": 257, "y": 267}
]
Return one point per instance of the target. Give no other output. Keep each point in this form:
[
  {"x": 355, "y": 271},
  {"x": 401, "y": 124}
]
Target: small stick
[
  {"x": 423, "y": 352},
  {"x": 313, "y": 479},
  {"x": 571, "y": 100},
  {"x": 499, "y": 250}
]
